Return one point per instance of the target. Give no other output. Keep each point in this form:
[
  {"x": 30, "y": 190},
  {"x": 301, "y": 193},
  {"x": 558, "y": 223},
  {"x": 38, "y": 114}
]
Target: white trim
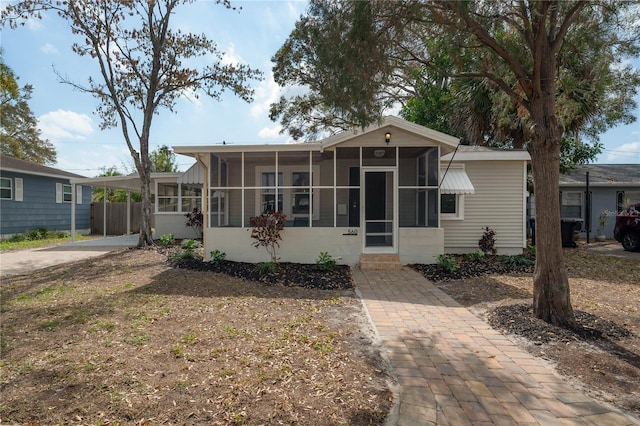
[
  {"x": 19, "y": 186},
  {"x": 10, "y": 188},
  {"x": 459, "y": 214},
  {"x": 395, "y": 210},
  {"x": 488, "y": 155},
  {"x": 78, "y": 194},
  {"x": 58, "y": 193}
]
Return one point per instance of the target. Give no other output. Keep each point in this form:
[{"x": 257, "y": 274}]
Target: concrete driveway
[
  {"x": 612, "y": 248},
  {"x": 18, "y": 262}
]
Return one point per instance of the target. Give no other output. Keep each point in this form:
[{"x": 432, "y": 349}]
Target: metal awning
[
  {"x": 195, "y": 175},
  {"x": 456, "y": 181}
]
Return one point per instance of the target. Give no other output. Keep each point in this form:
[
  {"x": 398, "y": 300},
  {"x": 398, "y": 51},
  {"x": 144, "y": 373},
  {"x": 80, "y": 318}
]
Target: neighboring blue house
[
  {"x": 612, "y": 186},
  {"x": 34, "y": 196}
]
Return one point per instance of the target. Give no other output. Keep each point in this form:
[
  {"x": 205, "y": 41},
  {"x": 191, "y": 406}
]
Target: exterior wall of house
[
  {"x": 498, "y": 202},
  {"x": 420, "y": 245},
  {"x": 40, "y": 208},
  {"x": 604, "y": 199},
  {"x": 300, "y": 245},
  {"x": 173, "y": 223}
]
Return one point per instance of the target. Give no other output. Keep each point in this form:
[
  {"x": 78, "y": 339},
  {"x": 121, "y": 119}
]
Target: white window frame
[
  {"x": 459, "y": 213},
  {"x": 4, "y": 188},
  {"x": 288, "y": 190},
  {"x": 179, "y": 197},
  {"x": 67, "y": 195}
]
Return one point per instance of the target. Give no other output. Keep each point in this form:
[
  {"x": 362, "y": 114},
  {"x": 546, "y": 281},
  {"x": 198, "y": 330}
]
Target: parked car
[{"x": 627, "y": 229}]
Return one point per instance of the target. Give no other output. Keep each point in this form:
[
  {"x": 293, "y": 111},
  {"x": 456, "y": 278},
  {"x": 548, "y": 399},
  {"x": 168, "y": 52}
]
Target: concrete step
[{"x": 380, "y": 262}]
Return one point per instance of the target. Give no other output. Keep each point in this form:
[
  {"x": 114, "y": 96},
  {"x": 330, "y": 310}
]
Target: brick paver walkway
[{"x": 453, "y": 369}]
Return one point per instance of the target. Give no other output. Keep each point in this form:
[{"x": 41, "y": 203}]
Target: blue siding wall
[
  {"x": 602, "y": 199},
  {"x": 39, "y": 208}
]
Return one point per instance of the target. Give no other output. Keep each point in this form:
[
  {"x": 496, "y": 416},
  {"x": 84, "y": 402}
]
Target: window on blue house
[{"x": 5, "y": 189}]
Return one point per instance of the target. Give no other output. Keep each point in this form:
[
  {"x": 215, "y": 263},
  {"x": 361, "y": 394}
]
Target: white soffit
[{"x": 456, "y": 181}]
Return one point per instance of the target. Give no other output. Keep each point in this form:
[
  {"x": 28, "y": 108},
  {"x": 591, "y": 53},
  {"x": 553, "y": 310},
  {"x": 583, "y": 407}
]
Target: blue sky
[{"x": 251, "y": 36}]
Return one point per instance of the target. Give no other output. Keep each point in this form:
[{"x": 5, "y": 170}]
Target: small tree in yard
[
  {"x": 194, "y": 220},
  {"x": 145, "y": 65},
  {"x": 266, "y": 232}
]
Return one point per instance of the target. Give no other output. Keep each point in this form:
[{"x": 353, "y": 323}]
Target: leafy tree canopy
[
  {"x": 113, "y": 195},
  {"x": 145, "y": 66},
  {"x": 163, "y": 159},
  {"x": 19, "y": 133}
]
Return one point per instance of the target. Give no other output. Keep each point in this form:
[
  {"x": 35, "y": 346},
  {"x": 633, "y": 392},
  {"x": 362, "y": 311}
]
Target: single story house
[
  {"x": 611, "y": 188},
  {"x": 34, "y": 196},
  {"x": 394, "y": 192}
]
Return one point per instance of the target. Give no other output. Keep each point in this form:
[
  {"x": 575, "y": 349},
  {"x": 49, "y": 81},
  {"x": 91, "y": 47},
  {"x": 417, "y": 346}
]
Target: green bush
[
  {"x": 188, "y": 250},
  {"x": 448, "y": 262},
  {"x": 217, "y": 256},
  {"x": 167, "y": 240},
  {"x": 325, "y": 262},
  {"x": 475, "y": 256},
  {"x": 516, "y": 260},
  {"x": 267, "y": 267}
]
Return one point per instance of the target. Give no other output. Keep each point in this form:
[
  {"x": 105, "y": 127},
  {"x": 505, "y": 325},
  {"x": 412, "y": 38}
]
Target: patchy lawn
[{"x": 125, "y": 338}]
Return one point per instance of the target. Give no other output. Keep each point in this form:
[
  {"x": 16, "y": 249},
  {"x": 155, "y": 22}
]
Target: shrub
[
  {"x": 195, "y": 220},
  {"x": 448, "y": 262},
  {"x": 487, "y": 242},
  {"x": 267, "y": 267},
  {"x": 475, "y": 256},
  {"x": 266, "y": 232},
  {"x": 167, "y": 240},
  {"x": 37, "y": 234},
  {"x": 516, "y": 260},
  {"x": 217, "y": 257},
  {"x": 188, "y": 250},
  {"x": 325, "y": 262}
]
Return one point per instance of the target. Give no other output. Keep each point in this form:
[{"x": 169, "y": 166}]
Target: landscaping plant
[
  {"x": 216, "y": 256},
  {"x": 325, "y": 262},
  {"x": 447, "y": 262},
  {"x": 487, "y": 242},
  {"x": 194, "y": 220},
  {"x": 266, "y": 232}
]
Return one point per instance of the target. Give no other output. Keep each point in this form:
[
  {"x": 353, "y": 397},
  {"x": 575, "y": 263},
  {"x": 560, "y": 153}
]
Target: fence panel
[{"x": 116, "y": 218}]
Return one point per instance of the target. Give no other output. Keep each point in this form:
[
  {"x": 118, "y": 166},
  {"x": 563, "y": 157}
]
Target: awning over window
[
  {"x": 195, "y": 175},
  {"x": 456, "y": 181}
]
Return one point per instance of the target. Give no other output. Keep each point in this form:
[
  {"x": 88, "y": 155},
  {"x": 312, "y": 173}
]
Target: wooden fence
[{"x": 116, "y": 218}]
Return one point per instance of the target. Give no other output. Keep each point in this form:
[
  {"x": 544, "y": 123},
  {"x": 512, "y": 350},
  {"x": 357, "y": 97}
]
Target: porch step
[{"x": 380, "y": 262}]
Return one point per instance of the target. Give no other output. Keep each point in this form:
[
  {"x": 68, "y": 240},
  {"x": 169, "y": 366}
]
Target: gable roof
[
  {"x": 483, "y": 153},
  {"x": 447, "y": 142},
  {"x": 11, "y": 164},
  {"x": 603, "y": 175}
]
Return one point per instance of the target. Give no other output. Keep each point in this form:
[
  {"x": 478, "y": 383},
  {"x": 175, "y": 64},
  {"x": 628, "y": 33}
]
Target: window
[
  {"x": 296, "y": 198},
  {"x": 269, "y": 195},
  {"x": 191, "y": 197},
  {"x": 625, "y": 198},
  {"x": 571, "y": 204},
  {"x": 452, "y": 206},
  {"x": 448, "y": 203},
  {"x": 6, "y": 189},
  {"x": 300, "y": 193},
  {"x": 66, "y": 193},
  {"x": 167, "y": 197}
]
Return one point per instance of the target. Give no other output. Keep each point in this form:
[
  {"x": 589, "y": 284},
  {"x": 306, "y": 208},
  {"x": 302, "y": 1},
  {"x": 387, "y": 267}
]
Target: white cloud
[
  {"x": 627, "y": 153},
  {"x": 59, "y": 125},
  {"x": 49, "y": 49},
  {"x": 270, "y": 132},
  {"x": 267, "y": 92},
  {"x": 230, "y": 56}
]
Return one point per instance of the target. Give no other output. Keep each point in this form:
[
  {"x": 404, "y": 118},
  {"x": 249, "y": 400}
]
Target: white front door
[{"x": 379, "y": 211}]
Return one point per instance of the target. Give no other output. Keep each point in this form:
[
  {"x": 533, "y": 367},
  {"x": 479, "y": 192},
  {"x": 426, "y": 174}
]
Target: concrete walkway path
[
  {"x": 452, "y": 368},
  {"x": 19, "y": 262}
]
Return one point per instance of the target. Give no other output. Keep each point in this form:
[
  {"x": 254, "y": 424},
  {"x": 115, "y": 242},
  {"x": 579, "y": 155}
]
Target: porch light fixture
[{"x": 387, "y": 137}]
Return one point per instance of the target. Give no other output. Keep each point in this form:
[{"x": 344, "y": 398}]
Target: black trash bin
[{"x": 567, "y": 226}]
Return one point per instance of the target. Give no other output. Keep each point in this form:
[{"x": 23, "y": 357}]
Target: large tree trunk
[
  {"x": 551, "y": 295},
  {"x": 146, "y": 237}
]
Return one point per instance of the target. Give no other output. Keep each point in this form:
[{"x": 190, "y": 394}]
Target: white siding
[{"x": 498, "y": 202}]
